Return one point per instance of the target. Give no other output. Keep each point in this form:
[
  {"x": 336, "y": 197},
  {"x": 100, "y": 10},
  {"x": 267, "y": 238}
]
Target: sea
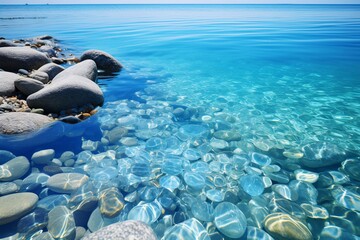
[{"x": 265, "y": 97}]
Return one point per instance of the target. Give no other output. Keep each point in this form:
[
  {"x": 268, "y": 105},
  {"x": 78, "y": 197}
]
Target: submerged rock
[
  {"x": 66, "y": 182},
  {"x": 124, "y": 231},
  {"x": 230, "y": 220},
  {"x": 189, "y": 229},
  {"x": 14, "y": 58},
  {"x": 61, "y": 223},
  {"x": 14, "y": 169},
  {"x": 71, "y": 92},
  {"x": 15, "y": 206},
  {"x": 22, "y": 122},
  {"x": 103, "y": 60}
]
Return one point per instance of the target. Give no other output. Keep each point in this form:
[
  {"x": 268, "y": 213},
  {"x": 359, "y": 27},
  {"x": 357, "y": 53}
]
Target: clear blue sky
[{"x": 179, "y": 1}]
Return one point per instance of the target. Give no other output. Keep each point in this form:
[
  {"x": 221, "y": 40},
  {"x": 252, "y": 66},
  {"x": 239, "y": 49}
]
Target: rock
[
  {"x": 71, "y": 92},
  {"x": 322, "y": 154},
  {"x": 15, "y": 206},
  {"x": 43, "y": 156},
  {"x": 28, "y": 86},
  {"x": 8, "y": 187},
  {"x": 284, "y": 226},
  {"x": 14, "y": 58},
  {"x": 124, "y": 231},
  {"x": 7, "y": 79},
  {"x": 189, "y": 229},
  {"x": 51, "y": 69},
  {"x": 230, "y": 220},
  {"x": 48, "y": 50},
  {"x": 7, "y": 43},
  {"x": 116, "y": 134},
  {"x": 14, "y": 169},
  {"x": 103, "y": 60},
  {"x": 66, "y": 182},
  {"x": 86, "y": 69},
  {"x": 5, "y": 156},
  {"x": 22, "y": 122},
  {"x": 39, "y": 75},
  {"x": 61, "y": 223}
]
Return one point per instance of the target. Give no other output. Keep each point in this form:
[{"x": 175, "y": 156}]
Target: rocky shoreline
[{"x": 33, "y": 82}]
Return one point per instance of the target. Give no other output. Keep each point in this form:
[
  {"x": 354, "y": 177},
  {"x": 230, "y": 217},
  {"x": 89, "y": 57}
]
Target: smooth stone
[
  {"x": 286, "y": 206},
  {"x": 218, "y": 143},
  {"x": 254, "y": 233},
  {"x": 190, "y": 229},
  {"x": 252, "y": 184},
  {"x": 215, "y": 195},
  {"x": 40, "y": 76},
  {"x": 43, "y": 236},
  {"x": 51, "y": 69},
  {"x": 124, "y": 231},
  {"x": 129, "y": 141},
  {"x": 193, "y": 131},
  {"x": 322, "y": 154},
  {"x": 103, "y": 60},
  {"x": 15, "y": 206},
  {"x": 14, "y": 58},
  {"x": 306, "y": 192},
  {"x": 7, "y": 81},
  {"x": 48, "y": 50},
  {"x": 294, "y": 154},
  {"x": 7, "y": 43},
  {"x": 260, "y": 159},
  {"x": 111, "y": 202},
  {"x": 346, "y": 198},
  {"x": 284, "y": 226},
  {"x": 169, "y": 182},
  {"x": 50, "y": 202},
  {"x": 6, "y": 156},
  {"x": 283, "y": 190},
  {"x": 61, "y": 223},
  {"x": 96, "y": 221},
  {"x": 71, "y": 92},
  {"x": 39, "y": 178},
  {"x": 22, "y": 122},
  {"x": 352, "y": 168},
  {"x": 316, "y": 212},
  {"x": 336, "y": 233},
  {"x": 28, "y": 86},
  {"x": 228, "y": 135},
  {"x": 172, "y": 165},
  {"x": 32, "y": 222},
  {"x": 230, "y": 220},
  {"x": 202, "y": 211},
  {"x": 306, "y": 176},
  {"x": 86, "y": 69},
  {"x": 80, "y": 233},
  {"x": 8, "y": 188},
  {"x": 43, "y": 156},
  {"x": 115, "y": 134},
  {"x": 194, "y": 180},
  {"x": 66, "y": 182},
  {"x": 146, "y": 212},
  {"x": 14, "y": 169}
]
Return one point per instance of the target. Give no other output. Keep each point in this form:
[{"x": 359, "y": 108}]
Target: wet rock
[
  {"x": 189, "y": 229},
  {"x": 40, "y": 76},
  {"x": 111, "y": 202},
  {"x": 14, "y": 58},
  {"x": 7, "y": 80},
  {"x": 66, "y": 182},
  {"x": 48, "y": 50},
  {"x": 86, "y": 69},
  {"x": 51, "y": 69},
  {"x": 230, "y": 220},
  {"x": 284, "y": 226},
  {"x": 71, "y": 92},
  {"x": 7, "y": 43},
  {"x": 14, "y": 206},
  {"x": 6, "y": 156},
  {"x": 43, "y": 156},
  {"x": 22, "y": 122},
  {"x": 61, "y": 223},
  {"x": 32, "y": 222},
  {"x": 14, "y": 169},
  {"x": 28, "y": 86},
  {"x": 116, "y": 134},
  {"x": 123, "y": 231},
  {"x": 103, "y": 60}
]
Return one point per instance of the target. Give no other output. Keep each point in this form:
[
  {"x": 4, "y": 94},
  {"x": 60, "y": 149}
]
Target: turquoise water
[{"x": 281, "y": 76}]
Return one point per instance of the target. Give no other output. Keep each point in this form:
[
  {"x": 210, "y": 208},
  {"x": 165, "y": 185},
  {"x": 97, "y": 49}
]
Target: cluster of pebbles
[
  {"x": 33, "y": 81},
  {"x": 168, "y": 171}
]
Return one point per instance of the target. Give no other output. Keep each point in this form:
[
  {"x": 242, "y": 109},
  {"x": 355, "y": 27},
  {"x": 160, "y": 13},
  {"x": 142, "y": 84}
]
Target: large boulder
[
  {"x": 14, "y": 58},
  {"x": 28, "y": 86},
  {"x": 7, "y": 80},
  {"x": 52, "y": 69},
  {"x": 22, "y": 122},
  {"x": 103, "y": 60},
  {"x": 70, "y": 92},
  {"x": 85, "y": 69}
]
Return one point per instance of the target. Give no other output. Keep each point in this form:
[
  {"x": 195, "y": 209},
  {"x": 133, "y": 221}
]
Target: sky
[{"x": 180, "y": 1}]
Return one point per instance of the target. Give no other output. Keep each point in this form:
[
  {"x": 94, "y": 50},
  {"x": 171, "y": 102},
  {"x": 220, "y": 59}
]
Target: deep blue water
[{"x": 282, "y": 75}]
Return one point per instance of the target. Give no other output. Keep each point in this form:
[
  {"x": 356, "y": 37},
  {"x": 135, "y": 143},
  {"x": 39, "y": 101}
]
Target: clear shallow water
[{"x": 282, "y": 77}]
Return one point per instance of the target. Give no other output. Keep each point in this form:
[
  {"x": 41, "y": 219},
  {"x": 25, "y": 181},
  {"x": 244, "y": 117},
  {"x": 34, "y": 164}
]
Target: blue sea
[{"x": 264, "y": 97}]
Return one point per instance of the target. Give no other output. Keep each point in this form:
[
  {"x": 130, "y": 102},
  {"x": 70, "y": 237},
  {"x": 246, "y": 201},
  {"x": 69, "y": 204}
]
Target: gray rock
[
  {"x": 15, "y": 206},
  {"x": 61, "y": 223},
  {"x": 7, "y": 43},
  {"x": 51, "y": 69},
  {"x": 14, "y": 169},
  {"x": 7, "y": 80},
  {"x": 103, "y": 60},
  {"x": 86, "y": 69},
  {"x": 48, "y": 50},
  {"x": 71, "y": 92},
  {"x": 43, "y": 156},
  {"x": 14, "y": 58},
  {"x": 8, "y": 187},
  {"x": 28, "y": 86},
  {"x": 123, "y": 231},
  {"x": 66, "y": 182},
  {"x": 6, "y": 156},
  {"x": 43, "y": 236},
  {"x": 22, "y": 122},
  {"x": 39, "y": 75}
]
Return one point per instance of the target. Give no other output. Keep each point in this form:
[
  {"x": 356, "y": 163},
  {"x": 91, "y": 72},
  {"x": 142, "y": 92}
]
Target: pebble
[
  {"x": 230, "y": 220},
  {"x": 189, "y": 229},
  {"x": 8, "y": 188},
  {"x": 61, "y": 223},
  {"x": 66, "y": 182},
  {"x": 43, "y": 156},
  {"x": 284, "y": 226},
  {"x": 14, "y": 169},
  {"x": 14, "y": 206}
]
